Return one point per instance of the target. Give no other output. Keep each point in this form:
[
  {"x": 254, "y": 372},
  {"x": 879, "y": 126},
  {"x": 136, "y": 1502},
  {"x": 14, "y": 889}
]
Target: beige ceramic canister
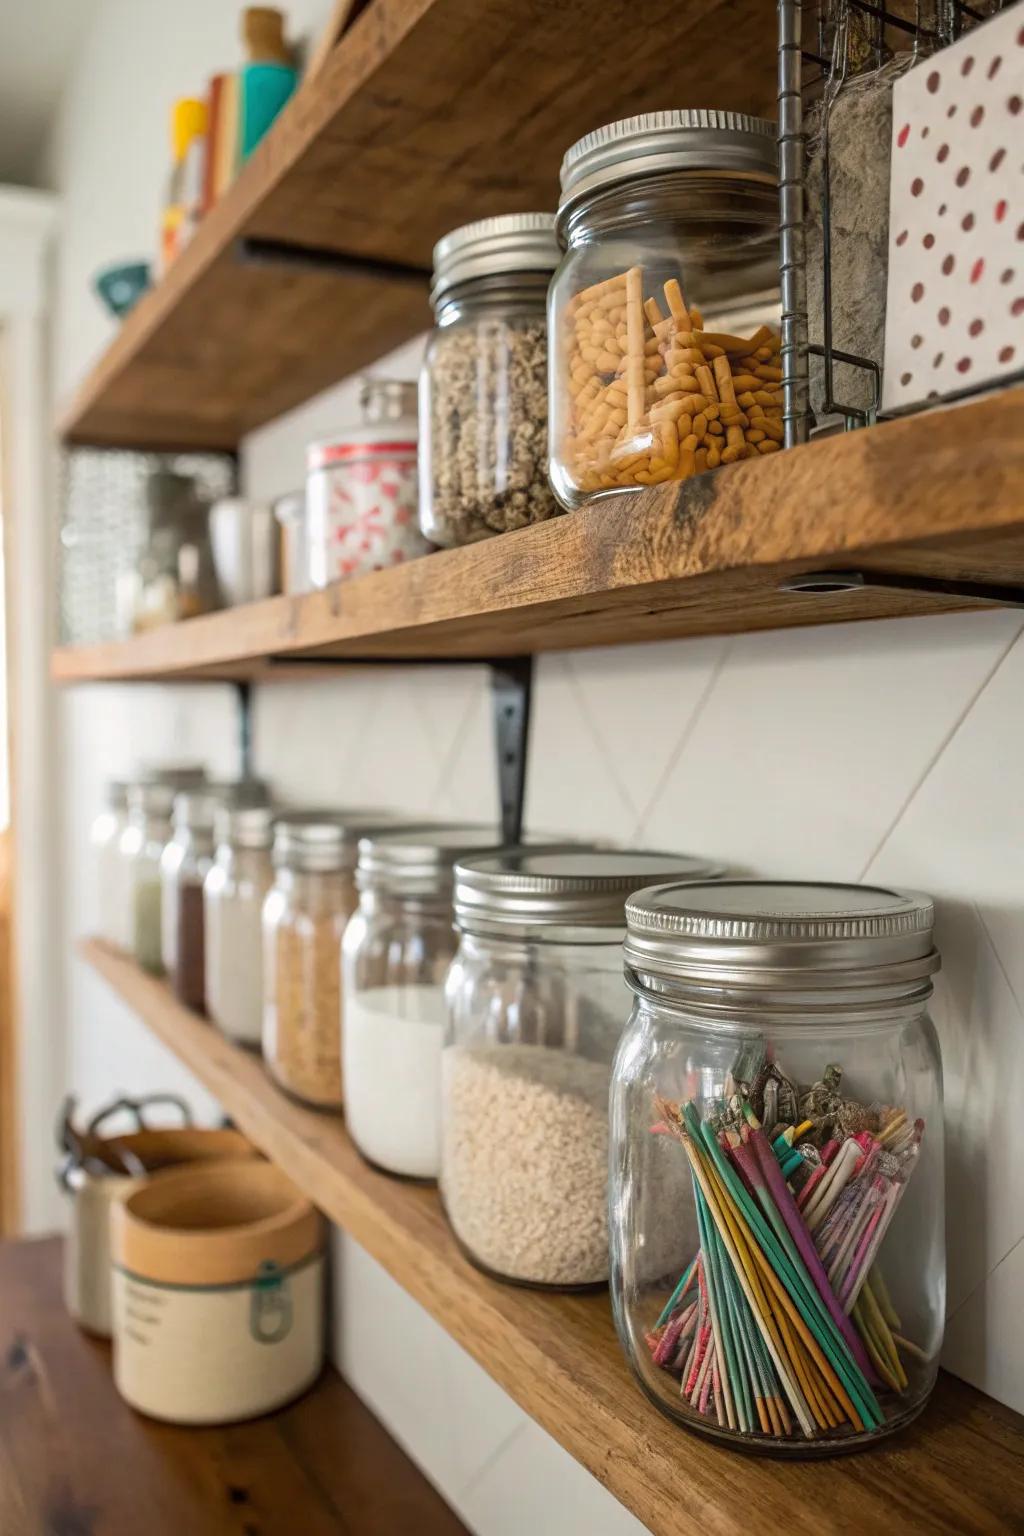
[
  {"x": 218, "y": 1294},
  {"x": 87, "y": 1288}
]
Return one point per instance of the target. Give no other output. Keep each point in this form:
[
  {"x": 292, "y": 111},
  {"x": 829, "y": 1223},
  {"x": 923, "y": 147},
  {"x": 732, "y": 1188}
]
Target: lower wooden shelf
[
  {"x": 959, "y": 1469},
  {"x": 77, "y": 1461}
]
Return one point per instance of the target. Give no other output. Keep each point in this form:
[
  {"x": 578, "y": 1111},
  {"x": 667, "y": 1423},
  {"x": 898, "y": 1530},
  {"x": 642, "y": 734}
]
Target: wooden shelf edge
[
  {"x": 704, "y": 558},
  {"x": 958, "y": 1468}
]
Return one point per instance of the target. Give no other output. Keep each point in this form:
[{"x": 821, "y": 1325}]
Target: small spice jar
[
  {"x": 776, "y": 1188},
  {"x": 663, "y": 312},
  {"x": 361, "y": 489},
  {"x": 483, "y": 387},
  {"x": 184, "y": 865},
  {"x": 234, "y": 891},
  {"x": 304, "y": 917},
  {"x": 535, "y": 1003},
  {"x": 142, "y": 846},
  {"x": 113, "y": 896},
  {"x": 396, "y": 953}
]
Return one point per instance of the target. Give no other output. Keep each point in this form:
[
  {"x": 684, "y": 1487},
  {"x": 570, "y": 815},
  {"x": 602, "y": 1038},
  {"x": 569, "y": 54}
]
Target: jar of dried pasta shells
[
  {"x": 483, "y": 450},
  {"x": 663, "y": 315}
]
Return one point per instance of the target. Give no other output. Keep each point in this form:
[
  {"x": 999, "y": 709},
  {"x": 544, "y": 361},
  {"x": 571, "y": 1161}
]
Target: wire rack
[
  {"x": 822, "y": 46},
  {"x": 103, "y": 529}
]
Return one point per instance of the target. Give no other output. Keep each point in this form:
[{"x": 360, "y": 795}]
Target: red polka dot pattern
[{"x": 956, "y": 278}]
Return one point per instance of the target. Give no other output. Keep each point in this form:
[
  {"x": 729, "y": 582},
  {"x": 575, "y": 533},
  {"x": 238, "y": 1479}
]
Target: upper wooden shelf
[
  {"x": 957, "y": 1469},
  {"x": 427, "y": 114},
  {"x": 933, "y": 497}
]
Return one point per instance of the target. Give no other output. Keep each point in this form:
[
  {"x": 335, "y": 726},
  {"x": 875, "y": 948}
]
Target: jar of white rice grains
[{"x": 535, "y": 1006}]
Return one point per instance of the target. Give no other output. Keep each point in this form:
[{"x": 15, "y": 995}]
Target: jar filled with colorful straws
[{"x": 780, "y": 1046}]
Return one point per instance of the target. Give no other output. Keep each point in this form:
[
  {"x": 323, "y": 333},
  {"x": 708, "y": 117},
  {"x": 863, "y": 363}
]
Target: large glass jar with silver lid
[
  {"x": 483, "y": 387},
  {"x": 142, "y": 846},
  {"x": 397, "y": 950},
  {"x": 776, "y": 1188},
  {"x": 536, "y": 1004},
  {"x": 304, "y": 916},
  {"x": 663, "y": 315},
  {"x": 110, "y": 869},
  {"x": 234, "y": 890}
]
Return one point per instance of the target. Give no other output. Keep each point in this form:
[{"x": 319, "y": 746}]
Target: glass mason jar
[
  {"x": 234, "y": 891},
  {"x": 535, "y": 1002},
  {"x": 396, "y": 953},
  {"x": 776, "y": 1184},
  {"x": 142, "y": 845},
  {"x": 663, "y": 313},
  {"x": 483, "y": 464},
  {"x": 304, "y": 916},
  {"x": 184, "y": 865},
  {"x": 113, "y": 896}
]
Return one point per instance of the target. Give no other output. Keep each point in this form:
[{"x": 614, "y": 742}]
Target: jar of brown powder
[
  {"x": 184, "y": 865},
  {"x": 304, "y": 916}
]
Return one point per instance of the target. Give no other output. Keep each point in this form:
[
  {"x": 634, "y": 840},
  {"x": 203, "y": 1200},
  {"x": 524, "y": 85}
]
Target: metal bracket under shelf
[
  {"x": 511, "y": 688},
  {"x": 827, "y": 583},
  {"x": 254, "y": 252}
]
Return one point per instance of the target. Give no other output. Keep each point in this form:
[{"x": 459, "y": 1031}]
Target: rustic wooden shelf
[
  {"x": 77, "y": 1461},
  {"x": 427, "y": 113},
  {"x": 707, "y": 557},
  {"x": 958, "y": 1469}
]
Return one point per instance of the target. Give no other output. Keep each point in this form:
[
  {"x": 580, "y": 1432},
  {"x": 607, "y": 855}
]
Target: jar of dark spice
[
  {"x": 183, "y": 868},
  {"x": 483, "y": 389}
]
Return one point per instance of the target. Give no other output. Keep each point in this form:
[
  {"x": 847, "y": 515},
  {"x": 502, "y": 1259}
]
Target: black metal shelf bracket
[
  {"x": 828, "y": 583},
  {"x": 512, "y": 689},
  {"x": 243, "y": 695}
]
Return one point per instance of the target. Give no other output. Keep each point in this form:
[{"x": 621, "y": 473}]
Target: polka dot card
[{"x": 955, "y": 306}]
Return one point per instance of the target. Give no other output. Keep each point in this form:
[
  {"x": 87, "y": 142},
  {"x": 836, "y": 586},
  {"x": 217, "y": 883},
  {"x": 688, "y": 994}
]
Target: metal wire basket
[{"x": 103, "y": 529}]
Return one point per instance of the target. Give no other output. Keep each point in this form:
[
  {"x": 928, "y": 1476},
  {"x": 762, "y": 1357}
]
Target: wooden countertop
[{"x": 77, "y": 1461}]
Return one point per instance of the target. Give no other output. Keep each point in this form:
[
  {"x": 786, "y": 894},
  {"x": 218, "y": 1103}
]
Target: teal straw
[
  {"x": 728, "y": 1365},
  {"x": 680, "y": 1288},
  {"x": 733, "y": 1362},
  {"x": 733, "y": 1301},
  {"x": 796, "y": 1280}
]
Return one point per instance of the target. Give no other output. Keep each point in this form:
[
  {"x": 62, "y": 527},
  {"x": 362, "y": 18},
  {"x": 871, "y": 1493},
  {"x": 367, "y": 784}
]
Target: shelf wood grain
[
  {"x": 427, "y": 114},
  {"x": 704, "y": 558},
  {"x": 959, "y": 1469}
]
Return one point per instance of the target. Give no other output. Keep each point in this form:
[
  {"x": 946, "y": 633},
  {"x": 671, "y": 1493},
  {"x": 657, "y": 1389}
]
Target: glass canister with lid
[
  {"x": 776, "y": 1110},
  {"x": 184, "y": 865},
  {"x": 113, "y": 903},
  {"x": 304, "y": 916},
  {"x": 536, "y": 1004},
  {"x": 142, "y": 846},
  {"x": 234, "y": 891},
  {"x": 397, "y": 950},
  {"x": 663, "y": 313},
  {"x": 483, "y": 387},
  {"x": 360, "y": 506}
]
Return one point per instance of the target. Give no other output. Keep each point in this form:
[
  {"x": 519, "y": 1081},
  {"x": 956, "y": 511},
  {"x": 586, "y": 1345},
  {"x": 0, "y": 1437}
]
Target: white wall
[{"x": 886, "y": 751}]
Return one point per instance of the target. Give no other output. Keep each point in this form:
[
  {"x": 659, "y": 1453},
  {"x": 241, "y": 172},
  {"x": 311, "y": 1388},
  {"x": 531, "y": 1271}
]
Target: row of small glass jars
[
  {"x": 629, "y": 341},
  {"x": 775, "y": 1094}
]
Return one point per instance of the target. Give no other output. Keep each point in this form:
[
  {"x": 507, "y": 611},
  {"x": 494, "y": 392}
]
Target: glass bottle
[
  {"x": 535, "y": 1001},
  {"x": 483, "y": 385},
  {"x": 142, "y": 844},
  {"x": 184, "y": 865},
  {"x": 396, "y": 951},
  {"x": 233, "y": 895},
  {"x": 304, "y": 917},
  {"x": 663, "y": 314},
  {"x": 776, "y": 1187},
  {"x": 113, "y": 905}
]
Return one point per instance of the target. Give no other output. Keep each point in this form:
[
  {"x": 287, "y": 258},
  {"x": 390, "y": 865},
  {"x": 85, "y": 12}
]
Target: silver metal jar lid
[
  {"x": 420, "y": 860},
  {"x": 520, "y": 890},
  {"x": 781, "y": 935},
  {"x": 195, "y": 810},
  {"x": 322, "y": 840},
  {"x": 510, "y": 242},
  {"x": 151, "y": 799},
  {"x": 245, "y": 826},
  {"x": 730, "y": 143}
]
